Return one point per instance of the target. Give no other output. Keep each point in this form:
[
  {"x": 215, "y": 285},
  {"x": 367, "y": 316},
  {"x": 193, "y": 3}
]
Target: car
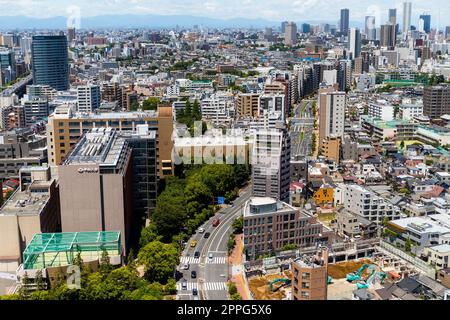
[
  {"x": 206, "y": 235},
  {"x": 197, "y": 254},
  {"x": 193, "y": 243},
  {"x": 216, "y": 222},
  {"x": 193, "y": 274},
  {"x": 201, "y": 230},
  {"x": 194, "y": 292},
  {"x": 210, "y": 256},
  {"x": 184, "y": 285},
  {"x": 185, "y": 266}
]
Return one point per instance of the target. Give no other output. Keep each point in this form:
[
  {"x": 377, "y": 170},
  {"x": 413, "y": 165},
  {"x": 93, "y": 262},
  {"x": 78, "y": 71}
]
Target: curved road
[{"x": 212, "y": 274}]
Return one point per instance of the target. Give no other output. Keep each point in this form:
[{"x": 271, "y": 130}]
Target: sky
[{"x": 273, "y": 10}]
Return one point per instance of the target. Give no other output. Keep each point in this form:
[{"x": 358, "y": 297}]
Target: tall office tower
[
  {"x": 71, "y": 34},
  {"x": 268, "y": 34},
  {"x": 406, "y": 17},
  {"x": 344, "y": 22},
  {"x": 271, "y": 156},
  {"x": 331, "y": 114},
  {"x": 306, "y": 28},
  {"x": 370, "y": 29},
  {"x": 290, "y": 35},
  {"x": 426, "y": 23},
  {"x": 447, "y": 31},
  {"x": 89, "y": 98},
  {"x": 387, "y": 38},
  {"x": 283, "y": 26},
  {"x": 35, "y": 110},
  {"x": 355, "y": 42},
  {"x": 436, "y": 101},
  {"x": 50, "y": 61},
  {"x": 7, "y": 66},
  {"x": 393, "y": 16}
]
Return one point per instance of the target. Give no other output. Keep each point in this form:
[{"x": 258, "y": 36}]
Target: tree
[
  {"x": 105, "y": 263},
  {"x": 402, "y": 145},
  {"x": 196, "y": 113},
  {"x": 238, "y": 225},
  {"x": 159, "y": 260},
  {"x": 151, "y": 103},
  {"x": 408, "y": 245},
  {"x": 149, "y": 234}
]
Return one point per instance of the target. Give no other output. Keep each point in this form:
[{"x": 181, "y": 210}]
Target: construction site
[{"x": 272, "y": 280}]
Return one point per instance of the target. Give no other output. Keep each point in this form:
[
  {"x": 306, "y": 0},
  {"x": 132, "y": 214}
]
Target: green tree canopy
[{"x": 159, "y": 261}]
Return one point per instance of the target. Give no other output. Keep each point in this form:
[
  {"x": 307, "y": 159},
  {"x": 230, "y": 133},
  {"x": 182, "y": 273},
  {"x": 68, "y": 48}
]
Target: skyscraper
[
  {"x": 332, "y": 115},
  {"x": 355, "y": 42},
  {"x": 50, "y": 61},
  {"x": 387, "y": 36},
  {"x": 290, "y": 35},
  {"x": 71, "y": 34},
  {"x": 271, "y": 163},
  {"x": 393, "y": 16},
  {"x": 344, "y": 22},
  {"x": 283, "y": 26},
  {"x": 426, "y": 18},
  {"x": 370, "y": 29},
  {"x": 406, "y": 17}
]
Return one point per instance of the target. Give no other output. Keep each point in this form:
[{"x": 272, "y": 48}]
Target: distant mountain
[{"x": 144, "y": 21}]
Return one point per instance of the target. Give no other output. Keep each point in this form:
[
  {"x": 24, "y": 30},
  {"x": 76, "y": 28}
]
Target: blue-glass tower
[{"x": 50, "y": 63}]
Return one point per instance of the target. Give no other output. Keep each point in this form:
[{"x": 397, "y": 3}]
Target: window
[
  {"x": 305, "y": 285},
  {"x": 306, "y": 275},
  {"x": 305, "y": 294}
]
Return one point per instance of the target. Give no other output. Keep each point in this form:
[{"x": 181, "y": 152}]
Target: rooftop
[{"x": 26, "y": 203}]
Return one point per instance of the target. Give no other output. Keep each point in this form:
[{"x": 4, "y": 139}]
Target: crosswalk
[
  {"x": 208, "y": 286},
  {"x": 192, "y": 260}
]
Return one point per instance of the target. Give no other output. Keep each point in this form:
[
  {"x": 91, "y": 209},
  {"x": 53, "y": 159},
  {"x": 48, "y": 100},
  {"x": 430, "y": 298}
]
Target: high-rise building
[
  {"x": 306, "y": 28},
  {"x": 447, "y": 31},
  {"x": 268, "y": 34},
  {"x": 332, "y": 114},
  {"x": 355, "y": 42},
  {"x": 406, "y": 17},
  {"x": 425, "y": 23},
  {"x": 387, "y": 36},
  {"x": 50, "y": 65},
  {"x": 283, "y": 26},
  {"x": 290, "y": 34},
  {"x": 247, "y": 104},
  {"x": 370, "y": 29},
  {"x": 89, "y": 98},
  {"x": 436, "y": 101},
  {"x": 71, "y": 34},
  {"x": 96, "y": 185},
  {"x": 344, "y": 22},
  {"x": 7, "y": 66},
  {"x": 271, "y": 163},
  {"x": 393, "y": 16},
  {"x": 65, "y": 127}
]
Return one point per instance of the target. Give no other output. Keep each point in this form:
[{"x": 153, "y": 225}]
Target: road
[
  {"x": 212, "y": 275},
  {"x": 302, "y": 127}
]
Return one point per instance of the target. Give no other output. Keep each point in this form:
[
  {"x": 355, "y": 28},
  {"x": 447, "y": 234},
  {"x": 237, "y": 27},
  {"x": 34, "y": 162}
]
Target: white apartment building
[
  {"x": 367, "y": 204},
  {"x": 381, "y": 110},
  {"x": 89, "y": 98},
  {"x": 410, "y": 109},
  {"x": 217, "y": 108},
  {"x": 331, "y": 114},
  {"x": 273, "y": 104}
]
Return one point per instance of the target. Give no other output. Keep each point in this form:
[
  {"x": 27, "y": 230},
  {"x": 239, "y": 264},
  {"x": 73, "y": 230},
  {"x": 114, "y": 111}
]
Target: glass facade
[{"x": 50, "y": 61}]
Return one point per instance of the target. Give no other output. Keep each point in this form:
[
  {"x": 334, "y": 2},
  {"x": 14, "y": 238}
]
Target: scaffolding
[{"x": 59, "y": 249}]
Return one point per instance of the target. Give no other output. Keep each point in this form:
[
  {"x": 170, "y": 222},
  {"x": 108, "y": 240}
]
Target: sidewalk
[{"x": 235, "y": 259}]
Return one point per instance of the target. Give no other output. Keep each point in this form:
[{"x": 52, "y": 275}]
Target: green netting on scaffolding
[{"x": 59, "y": 249}]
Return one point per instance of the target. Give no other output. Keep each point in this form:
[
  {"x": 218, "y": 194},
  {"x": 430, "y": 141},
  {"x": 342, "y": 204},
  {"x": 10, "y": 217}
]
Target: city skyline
[{"x": 272, "y": 11}]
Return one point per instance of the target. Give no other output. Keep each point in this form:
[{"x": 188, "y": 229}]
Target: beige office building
[
  {"x": 96, "y": 185},
  {"x": 65, "y": 128}
]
